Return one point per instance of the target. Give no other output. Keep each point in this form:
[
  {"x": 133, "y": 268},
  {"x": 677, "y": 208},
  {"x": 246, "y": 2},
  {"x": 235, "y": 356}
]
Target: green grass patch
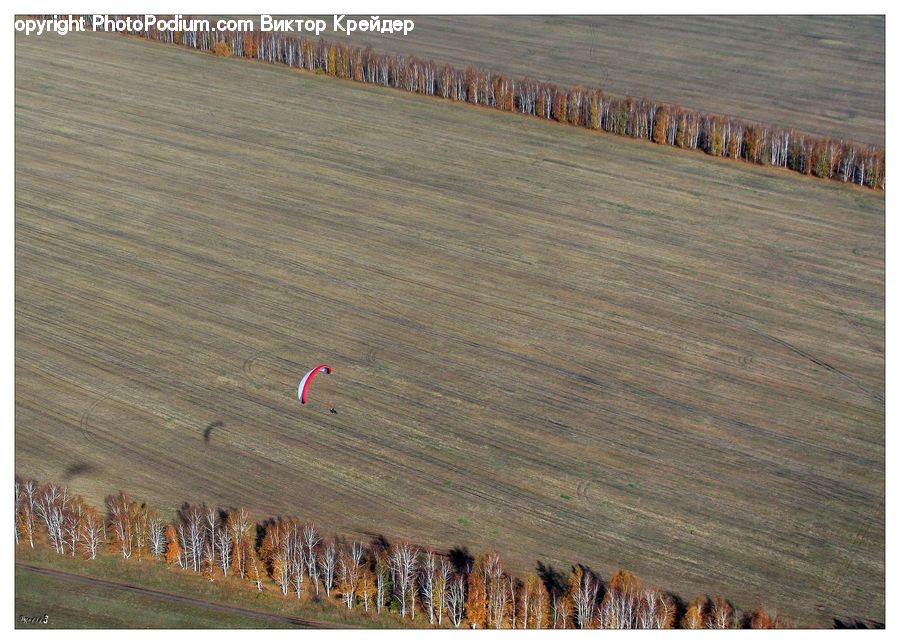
[
  {"x": 81, "y": 610},
  {"x": 75, "y": 604}
]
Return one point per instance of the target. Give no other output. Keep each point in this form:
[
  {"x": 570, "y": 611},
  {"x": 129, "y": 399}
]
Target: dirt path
[{"x": 190, "y": 601}]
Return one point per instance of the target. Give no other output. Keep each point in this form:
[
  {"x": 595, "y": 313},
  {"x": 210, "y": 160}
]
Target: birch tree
[
  {"x": 253, "y": 569},
  {"x": 497, "y": 590},
  {"x": 584, "y": 592},
  {"x": 174, "y": 552},
  {"x": 721, "y": 615},
  {"x": 72, "y": 520},
  {"x": 477, "y": 596},
  {"x": 350, "y": 563},
  {"x": 192, "y": 535},
  {"x": 456, "y": 599},
  {"x": 239, "y": 525},
  {"x": 156, "y": 535},
  {"x": 211, "y": 526},
  {"x": 440, "y": 588},
  {"x": 760, "y": 619},
  {"x": 561, "y": 610},
  {"x": 140, "y": 521},
  {"x": 382, "y": 580},
  {"x": 694, "y": 615},
  {"x": 91, "y": 532},
  {"x": 295, "y": 554},
  {"x": 656, "y": 610},
  {"x": 275, "y": 552},
  {"x": 621, "y": 605},
  {"x": 121, "y": 523},
  {"x": 536, "y": 603},
  {"x": 27, "y": 508},
  {"x": 366, "y": 587},
  {"x": 328, "y": 561},
  {"x": 17, "y": 506},
  {"x": 403, "y": 575},
  {"x": 50, "y": 508},
  {"x": 311, "y": 541},
  {"x": 427, "y": 583},
  {"x": 225, "y": 548}
]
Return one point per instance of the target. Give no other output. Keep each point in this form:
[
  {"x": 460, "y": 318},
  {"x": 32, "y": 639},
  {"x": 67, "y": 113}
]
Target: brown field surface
[
  {"x": 568, "y": 346},
  {"x": 822, "y": 74}
]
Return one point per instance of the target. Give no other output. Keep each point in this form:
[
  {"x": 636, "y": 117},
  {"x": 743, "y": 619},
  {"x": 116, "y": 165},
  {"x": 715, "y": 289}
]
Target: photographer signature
[{"x": 29, "y": 619}]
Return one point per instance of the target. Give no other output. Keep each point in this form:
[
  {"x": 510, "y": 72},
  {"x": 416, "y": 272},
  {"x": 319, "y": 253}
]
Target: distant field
[
  {"x": 822, "y": 74},
  {"x": 568, "y": 346}
]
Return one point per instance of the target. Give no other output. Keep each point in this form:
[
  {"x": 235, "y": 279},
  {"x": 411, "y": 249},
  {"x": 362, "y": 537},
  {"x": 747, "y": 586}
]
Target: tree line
[
  {"x": 641, "y": 118},
  {"x": 291, "y": 557}
]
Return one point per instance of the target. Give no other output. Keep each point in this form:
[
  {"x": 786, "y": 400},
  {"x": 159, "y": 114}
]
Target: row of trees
[
  {"x": 417, "y": 584},
  {"x": 642, "y": 118}
]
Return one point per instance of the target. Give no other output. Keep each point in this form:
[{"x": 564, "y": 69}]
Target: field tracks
[
  {"x": 843, "y": 579},
  {"x": 877, "y": 397},
  {"x": 247, "y": 366},
  {"x": 584, "y": 488},
  {"x": 746, "y": 322},
  {"x": 84, "y": 424}
]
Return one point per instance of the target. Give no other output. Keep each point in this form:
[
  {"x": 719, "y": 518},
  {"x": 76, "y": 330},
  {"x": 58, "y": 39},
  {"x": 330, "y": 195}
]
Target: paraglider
[{"x": 307, "y": 379}]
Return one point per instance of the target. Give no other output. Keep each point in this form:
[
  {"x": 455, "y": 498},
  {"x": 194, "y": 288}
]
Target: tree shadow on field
[
  {"x": 461, "y": 559},
  {"x": 680, "y": 607},
  {"x": 853, "y": 622},
  {"x": 261, "y": 527},
  {"x": 555, "y": 581},
  {"x": 380, "y": 543}
]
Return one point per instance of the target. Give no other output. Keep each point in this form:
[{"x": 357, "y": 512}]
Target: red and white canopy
[{"x": 304, "y": 382}]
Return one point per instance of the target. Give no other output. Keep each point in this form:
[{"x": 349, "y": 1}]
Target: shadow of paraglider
[
  {"x": 77, "y": 469},
  {"x": 213, "y": 425}
]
